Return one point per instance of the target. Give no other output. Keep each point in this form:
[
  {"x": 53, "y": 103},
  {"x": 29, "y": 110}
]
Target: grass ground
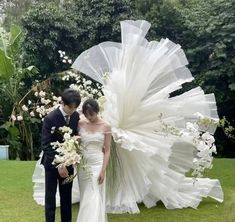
[{"x": 17, "y": 204}]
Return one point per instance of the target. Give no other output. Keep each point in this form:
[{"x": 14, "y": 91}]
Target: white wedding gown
[
  {"x": 148, "y": 165},
  {"x": 92, "y": 195}
]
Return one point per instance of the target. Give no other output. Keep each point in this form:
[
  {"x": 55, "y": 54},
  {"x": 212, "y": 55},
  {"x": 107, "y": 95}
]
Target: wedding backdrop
[{"x": 40, "y": 40}]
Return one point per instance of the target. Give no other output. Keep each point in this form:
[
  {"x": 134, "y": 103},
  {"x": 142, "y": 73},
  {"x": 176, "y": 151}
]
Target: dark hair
[
  {"x": 71, "y": 96},
  {"x": 90, "y": 106}
]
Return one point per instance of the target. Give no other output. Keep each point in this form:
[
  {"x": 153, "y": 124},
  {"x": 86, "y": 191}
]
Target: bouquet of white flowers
[{"x": 69, "y": 152}]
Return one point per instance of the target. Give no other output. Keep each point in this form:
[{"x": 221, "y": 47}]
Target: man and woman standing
[{"x": 67, "y": 115}]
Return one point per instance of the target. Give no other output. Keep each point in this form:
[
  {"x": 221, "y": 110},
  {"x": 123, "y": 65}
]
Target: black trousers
[{"x": 52, "y": 178}]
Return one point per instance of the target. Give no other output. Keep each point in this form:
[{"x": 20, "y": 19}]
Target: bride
[
  {"x": 157, "y": 138},
  {"x": 95, "y": 139}
]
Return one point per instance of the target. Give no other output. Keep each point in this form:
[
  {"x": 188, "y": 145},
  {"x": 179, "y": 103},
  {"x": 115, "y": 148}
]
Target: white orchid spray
[
  {"x": 204, "y": 143},
  {"x": 196, "y": 133},
  {"x": 69, "y": 152}
]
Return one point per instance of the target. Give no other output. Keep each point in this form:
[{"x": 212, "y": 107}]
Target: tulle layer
[{"x": 140, "y": 79}]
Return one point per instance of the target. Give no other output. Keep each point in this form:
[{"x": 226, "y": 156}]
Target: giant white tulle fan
[{"x": 138, "y": 77}]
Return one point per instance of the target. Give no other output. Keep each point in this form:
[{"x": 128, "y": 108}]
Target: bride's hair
[{"x": 90, "y": 106}]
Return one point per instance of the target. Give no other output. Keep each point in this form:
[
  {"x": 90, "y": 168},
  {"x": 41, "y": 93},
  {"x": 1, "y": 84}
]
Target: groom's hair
[
  {"x": 90, "y": 106},
  {"x": 71, "y": 96}
]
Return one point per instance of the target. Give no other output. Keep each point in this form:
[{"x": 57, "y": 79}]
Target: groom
[{"x": 65, "y": 115}]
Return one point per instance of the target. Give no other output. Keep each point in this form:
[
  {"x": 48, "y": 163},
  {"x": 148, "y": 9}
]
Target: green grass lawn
[{"x": 17, "y": 204}]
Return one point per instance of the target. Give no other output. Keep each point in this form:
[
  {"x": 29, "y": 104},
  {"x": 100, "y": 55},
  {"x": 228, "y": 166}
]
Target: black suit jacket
[{"x": 55, "y": 119}]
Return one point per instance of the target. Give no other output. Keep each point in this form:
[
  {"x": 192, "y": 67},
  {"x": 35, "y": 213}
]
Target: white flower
[
  {"x": 64, "y": 61},
  {"x": 13, "y": 117},
  {"x": 32, "y": 114},
  {"x": 25, "y": 108},
  {"x": 36, "y": 94},
  {"x": 66, "y": 136},
  {"x": 70, "y": 61},
  {"x": 38, "y": 109},
  {"x": 213, "y": 149},
  {"x": 42, "y": 94},
  {"x": 19, "y": 118},
  {"x": 208, "y": 138},
  {"x": 192, "y": 127},
  {"x": 29, "y": 102},
  {"x": 69, "y": 151},
  {"x": 65, "y": 129},
  {"x": 43, "y": 101}
]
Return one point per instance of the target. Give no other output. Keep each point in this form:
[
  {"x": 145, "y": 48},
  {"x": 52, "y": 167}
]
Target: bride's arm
[{"x": 107, "y": 143}]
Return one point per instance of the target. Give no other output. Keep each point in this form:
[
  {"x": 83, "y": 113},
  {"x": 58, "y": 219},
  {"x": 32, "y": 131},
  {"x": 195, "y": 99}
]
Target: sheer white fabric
[{"x": 141, "y": 77}]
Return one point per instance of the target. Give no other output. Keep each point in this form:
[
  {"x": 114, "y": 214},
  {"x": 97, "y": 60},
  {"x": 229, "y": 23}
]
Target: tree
[
  {"x": 17, "y": 134},
  {"x": 205, "y": 29},
  {"x": 11, "y": 11},
  {"x": 73, "y": 28},
  {"x": 211, "y": 54}
]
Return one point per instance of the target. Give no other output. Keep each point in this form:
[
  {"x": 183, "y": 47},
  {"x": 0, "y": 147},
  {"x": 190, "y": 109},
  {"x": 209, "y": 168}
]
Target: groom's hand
[{"x": 63, "y": 172}]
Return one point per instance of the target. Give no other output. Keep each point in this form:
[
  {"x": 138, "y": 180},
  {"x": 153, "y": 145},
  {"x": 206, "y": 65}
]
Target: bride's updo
[{"x": 90, "y": 106}]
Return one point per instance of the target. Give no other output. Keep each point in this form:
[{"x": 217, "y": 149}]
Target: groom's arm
[{"x": 46, "y": 137}]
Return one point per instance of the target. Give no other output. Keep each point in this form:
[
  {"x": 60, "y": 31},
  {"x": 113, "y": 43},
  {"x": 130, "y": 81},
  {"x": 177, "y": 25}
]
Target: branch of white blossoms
[
  {"x": 44, "y": 104},
  {"x": 46, "y": 101},
  {"x": 87, "y": 88},
  {"x": 200, "y": 137},
  {"x": 204, "y": 143},
  {"x": 64, "y": 57}
]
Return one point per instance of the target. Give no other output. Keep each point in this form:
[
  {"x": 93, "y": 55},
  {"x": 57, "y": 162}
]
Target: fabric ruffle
[{"x": 139, "y": 78}]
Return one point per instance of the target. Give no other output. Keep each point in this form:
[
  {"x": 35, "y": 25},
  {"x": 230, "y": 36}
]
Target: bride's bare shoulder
[
  {"x": 83, "y": 120},
  {"x": 106, "y": 126}
]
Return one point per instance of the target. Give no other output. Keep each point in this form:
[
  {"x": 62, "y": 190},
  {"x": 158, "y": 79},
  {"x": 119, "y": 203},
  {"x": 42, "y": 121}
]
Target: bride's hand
[
  {"x": 78, "y": 138},
  {"x": 101, "y": 177}
]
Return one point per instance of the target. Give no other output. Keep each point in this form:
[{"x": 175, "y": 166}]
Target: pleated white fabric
[
  {"x": 152, "y": 166},
  {"x": 141, "y": 78}
]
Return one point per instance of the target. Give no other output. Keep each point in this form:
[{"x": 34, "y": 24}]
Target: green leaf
[
  {"x": 15, "y": 34},
  {"x": 32, "y": 69},
  {"x": 7, "y": 68},
  {"x": 35, "y": 120},
  {"x": 6, "y": 125},
  {"x": 3, "y": 39},
  {"x": 14, "y": 132}
]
